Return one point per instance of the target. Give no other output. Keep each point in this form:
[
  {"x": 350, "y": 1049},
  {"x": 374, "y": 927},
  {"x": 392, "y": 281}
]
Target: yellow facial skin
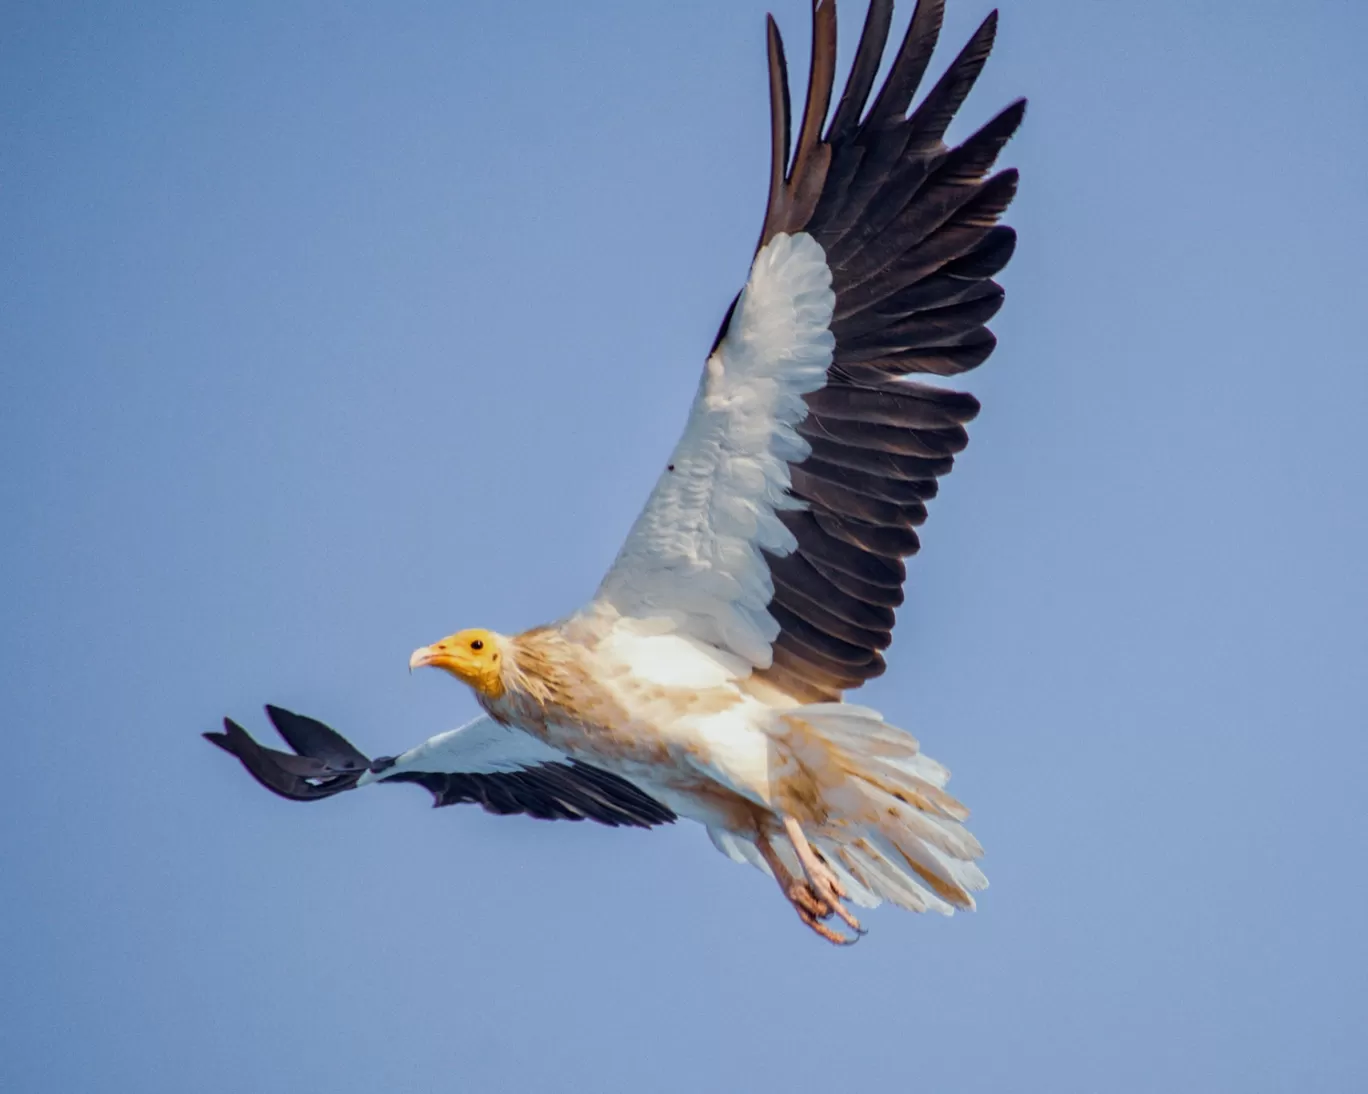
[{"x": 474, "y": 657}]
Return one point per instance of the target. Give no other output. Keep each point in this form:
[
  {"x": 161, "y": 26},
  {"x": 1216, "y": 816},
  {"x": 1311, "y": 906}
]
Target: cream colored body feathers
[{"x": 682, "y": 722}]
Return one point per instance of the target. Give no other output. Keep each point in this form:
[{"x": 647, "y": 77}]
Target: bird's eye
[{"x": 477, "y": 645}]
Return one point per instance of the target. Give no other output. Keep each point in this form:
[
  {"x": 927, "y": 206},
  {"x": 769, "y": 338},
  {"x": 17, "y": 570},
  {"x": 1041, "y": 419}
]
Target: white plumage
[
  {"x": 480, "y": 747},
  {"x": 693, "y": 555}
]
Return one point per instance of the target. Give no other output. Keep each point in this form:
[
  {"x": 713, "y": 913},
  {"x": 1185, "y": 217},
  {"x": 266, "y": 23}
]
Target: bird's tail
[{"x": 892, "y": 832}]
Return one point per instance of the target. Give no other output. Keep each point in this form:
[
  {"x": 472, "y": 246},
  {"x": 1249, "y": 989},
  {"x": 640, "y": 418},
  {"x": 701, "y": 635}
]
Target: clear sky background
[{"x": 328, "y": 329}]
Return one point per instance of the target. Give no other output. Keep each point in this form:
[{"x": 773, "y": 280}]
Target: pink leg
[
  {"x": 803, "y": 895},
  {"x": 820, "y": 876}
]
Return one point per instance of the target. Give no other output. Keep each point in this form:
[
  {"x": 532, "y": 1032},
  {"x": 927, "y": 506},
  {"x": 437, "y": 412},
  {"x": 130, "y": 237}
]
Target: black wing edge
[
  {"x": 571, "y": 791},
  {"x": 325, "y": 763},
  {"x": 909, "y": 227}
]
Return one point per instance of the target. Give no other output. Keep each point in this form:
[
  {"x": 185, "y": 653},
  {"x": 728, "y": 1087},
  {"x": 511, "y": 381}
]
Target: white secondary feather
[
  {"x": 481, "y": 747},
  {"x": 693, "y": 557}
]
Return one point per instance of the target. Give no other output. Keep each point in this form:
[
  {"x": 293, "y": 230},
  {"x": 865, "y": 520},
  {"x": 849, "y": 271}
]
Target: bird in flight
[{"x": 706, "y": 677}]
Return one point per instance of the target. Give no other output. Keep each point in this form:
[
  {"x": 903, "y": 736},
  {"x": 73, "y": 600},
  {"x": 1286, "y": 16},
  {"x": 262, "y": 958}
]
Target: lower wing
[{"x": 502, "y": 769}]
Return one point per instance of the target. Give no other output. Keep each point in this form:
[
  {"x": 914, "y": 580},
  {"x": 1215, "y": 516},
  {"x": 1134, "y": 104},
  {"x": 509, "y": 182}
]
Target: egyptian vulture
[{"x": 706, "y": 677}]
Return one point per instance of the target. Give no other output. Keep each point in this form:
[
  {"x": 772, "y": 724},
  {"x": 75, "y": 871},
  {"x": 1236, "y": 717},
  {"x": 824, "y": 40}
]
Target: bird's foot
[
  {"x": 823, "y": 888},
  {"x": 814, "y": 901},
  {"x": 812, "y": 910}
]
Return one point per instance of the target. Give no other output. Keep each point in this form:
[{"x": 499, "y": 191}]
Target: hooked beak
[{"x": 426, "y": 656}]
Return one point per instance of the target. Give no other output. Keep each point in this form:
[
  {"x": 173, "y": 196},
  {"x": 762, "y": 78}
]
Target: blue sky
[{"x": 328, "y": 329}]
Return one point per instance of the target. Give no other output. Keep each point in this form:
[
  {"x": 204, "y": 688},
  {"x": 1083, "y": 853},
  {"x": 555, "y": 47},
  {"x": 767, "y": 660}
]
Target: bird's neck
[{"x": 531, "y": 665}]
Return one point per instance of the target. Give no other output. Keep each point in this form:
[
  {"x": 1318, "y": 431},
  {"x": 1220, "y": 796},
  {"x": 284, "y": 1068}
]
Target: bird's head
[{"x": 474, "y": 657}]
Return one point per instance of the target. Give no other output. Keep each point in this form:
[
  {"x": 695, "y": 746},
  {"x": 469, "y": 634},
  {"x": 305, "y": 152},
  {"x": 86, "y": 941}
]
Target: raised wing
[
  {"x": 500, "y": 768},
  {"x": 779, "y": 526}
]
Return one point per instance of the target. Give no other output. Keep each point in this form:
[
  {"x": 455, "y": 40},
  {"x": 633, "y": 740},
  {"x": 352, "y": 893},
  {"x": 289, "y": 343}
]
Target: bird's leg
[
  {"x": 821, "y": 877},
  {"x": 801, "y": 894}
]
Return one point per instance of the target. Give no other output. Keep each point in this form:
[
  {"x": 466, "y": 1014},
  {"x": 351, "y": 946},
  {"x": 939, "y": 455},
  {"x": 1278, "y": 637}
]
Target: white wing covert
[{"x": 694, "y": 555}]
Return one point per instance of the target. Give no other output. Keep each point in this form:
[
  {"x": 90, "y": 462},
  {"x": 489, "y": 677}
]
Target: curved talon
[
  {"x": 817, "y": 896},
  {"x": 826, "y": 886},
  {"x": 813, "y": 911},
  {"x": 832, "y": 897},
  {"x": 830, "y": 934}
]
